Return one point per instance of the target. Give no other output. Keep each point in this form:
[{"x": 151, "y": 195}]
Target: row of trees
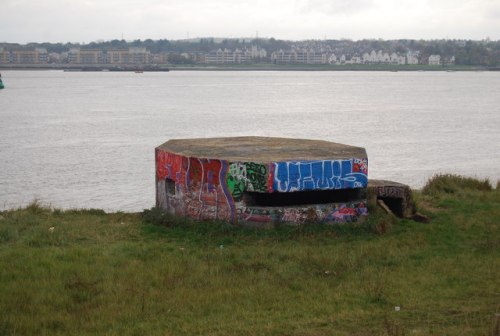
[{"x": 468, "y": 52}]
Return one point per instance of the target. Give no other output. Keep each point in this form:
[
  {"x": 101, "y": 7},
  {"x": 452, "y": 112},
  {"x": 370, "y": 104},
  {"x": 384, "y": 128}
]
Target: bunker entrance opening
[
  {"x": 278, "y": 199},
  {"x": 170, "y": 186},
  {"x": 394, "y": 204}
]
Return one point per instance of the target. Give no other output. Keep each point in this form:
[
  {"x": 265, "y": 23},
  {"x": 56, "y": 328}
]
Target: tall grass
[
  {"x": 451, "y": 184},
  {"x": 86, "y": 272}
]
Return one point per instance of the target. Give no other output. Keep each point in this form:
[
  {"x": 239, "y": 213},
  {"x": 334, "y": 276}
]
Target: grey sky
[{"x": 90, "y": 20}]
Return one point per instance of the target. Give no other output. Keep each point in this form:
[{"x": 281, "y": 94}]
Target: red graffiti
[
  {"x": 360, "y": 166},
  {"x": 170, "y": 165},
  {"x": 348, "y": 211},
  {"x": 198, "y": 189},
  {"x": 270, "y": 178}
]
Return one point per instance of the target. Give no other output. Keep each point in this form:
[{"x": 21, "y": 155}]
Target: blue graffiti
[{"x": 317, "y": 175}]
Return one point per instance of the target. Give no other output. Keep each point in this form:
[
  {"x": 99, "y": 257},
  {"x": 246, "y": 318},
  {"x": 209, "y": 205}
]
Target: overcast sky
[{"x": 91, "y": 20}]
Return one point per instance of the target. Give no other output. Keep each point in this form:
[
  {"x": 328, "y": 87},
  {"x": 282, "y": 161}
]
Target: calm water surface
[{"x": 74, "y": 139}]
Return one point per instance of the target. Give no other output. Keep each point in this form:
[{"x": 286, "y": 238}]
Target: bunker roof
[{"x": 262, "y": 149}]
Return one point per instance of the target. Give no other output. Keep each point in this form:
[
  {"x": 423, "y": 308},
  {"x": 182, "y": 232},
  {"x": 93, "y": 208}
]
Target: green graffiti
[{"x": 246, "y": 176}]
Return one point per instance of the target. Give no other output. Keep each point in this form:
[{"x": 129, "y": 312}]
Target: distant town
[{"x": 212, "y": 51}]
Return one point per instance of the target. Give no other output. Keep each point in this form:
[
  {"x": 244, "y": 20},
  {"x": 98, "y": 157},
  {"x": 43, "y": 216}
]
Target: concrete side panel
[{"x": 198, "y": 187}]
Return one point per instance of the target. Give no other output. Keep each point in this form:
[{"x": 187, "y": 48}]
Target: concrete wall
[{"x": 213, "y": 189}]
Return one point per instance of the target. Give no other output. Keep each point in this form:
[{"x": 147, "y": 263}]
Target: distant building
[
  {"x": 366, "y": 58},
  {"x": 283, "y": 57},
  {"x": 94, "y": 56},
  {"x": 412, "y": 57},
  {"x": 54, "y": 57},
  {"x": 397, "y": 59},
  {"x": 240, "y": 56},
  {"x": 434, "y": 60},
  {"x": 4, "y": 56},
  {"x": 198, "y": 57},
  {"x": 299, "y": 57},
  {"x": 450, "y": 61},
  {"x": 129, "y": 56},
  {"x": 384, "y": 57},
  {"x": 139, "y": 56},
  {"x": 354, "y": 60},
  {"x": 226, "y": 56},
  {"x": 37, "y": 56},
  {"x": 161, "y": 58},
  {"x": 379, "y": 57},
  {"x": 257, "y": 52},
  {"x": 332, "y": 59}
]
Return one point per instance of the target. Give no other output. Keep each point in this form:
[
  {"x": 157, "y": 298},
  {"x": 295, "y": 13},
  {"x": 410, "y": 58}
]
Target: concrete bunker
[
  {"x": 262, "y": 180},
  {"x": 394, "y": 196}
]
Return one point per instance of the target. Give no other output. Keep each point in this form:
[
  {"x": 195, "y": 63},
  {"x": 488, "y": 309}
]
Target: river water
[{"x": 87, "y": 139}]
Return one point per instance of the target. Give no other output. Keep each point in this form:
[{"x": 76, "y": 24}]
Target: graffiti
[
  {"x": 319, "y": 175},
  {"x": 360, "y": 166},
  {"x": 246, "y": 176},
  {"x": 295, "y": 215},
  {"x": 321, "y": 213},
  {"x": 169, "y": 165},
  {"x": 346, "y": 213},
  {"x": 199, "y": 192},
  {"x": 393, "y": 192},
  {"x": 259, "y": 215},
  {"x": 257, "y": 177},
  {"x": 213, "y": 189}
]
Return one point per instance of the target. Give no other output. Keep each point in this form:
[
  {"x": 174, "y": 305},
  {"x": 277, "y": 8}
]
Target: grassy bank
[{"x": 87, "y": 272}]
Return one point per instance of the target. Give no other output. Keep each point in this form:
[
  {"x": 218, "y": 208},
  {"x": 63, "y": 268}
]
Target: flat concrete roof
[{"x": 262, "y": 149}]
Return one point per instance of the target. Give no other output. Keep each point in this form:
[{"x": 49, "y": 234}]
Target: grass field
[{"x": 86, "y": 272}]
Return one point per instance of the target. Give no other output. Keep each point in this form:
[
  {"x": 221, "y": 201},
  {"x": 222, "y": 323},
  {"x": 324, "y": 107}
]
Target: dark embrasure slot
[
  {"x": 170, "y": 186},
  {"x": 303, "y": 197}
]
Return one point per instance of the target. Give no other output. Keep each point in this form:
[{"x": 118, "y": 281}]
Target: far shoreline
[{"x": 246, "y": 67}]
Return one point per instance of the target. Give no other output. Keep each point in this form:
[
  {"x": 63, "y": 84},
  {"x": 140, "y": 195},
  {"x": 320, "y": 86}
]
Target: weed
[
  {"x": 451, "y": 184},
  {"x": 157, "y": 216},
  {"x": 393, "y": 328}
]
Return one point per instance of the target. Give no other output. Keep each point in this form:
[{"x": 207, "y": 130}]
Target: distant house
[
  {"x": 434, "y": 60},
  {"x": 450, "y": 61},
  {"x": 379, "y": 57},
  {"x": 412, "y": 57},
  {"x": 397, "y": 59},
  {"x": 354, "y": 60},
  {"x": 332, "y": 59},
  {"x": 257, "y": 52}
]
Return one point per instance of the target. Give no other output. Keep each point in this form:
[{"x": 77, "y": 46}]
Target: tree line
[{"x": 467, "y": 52}]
